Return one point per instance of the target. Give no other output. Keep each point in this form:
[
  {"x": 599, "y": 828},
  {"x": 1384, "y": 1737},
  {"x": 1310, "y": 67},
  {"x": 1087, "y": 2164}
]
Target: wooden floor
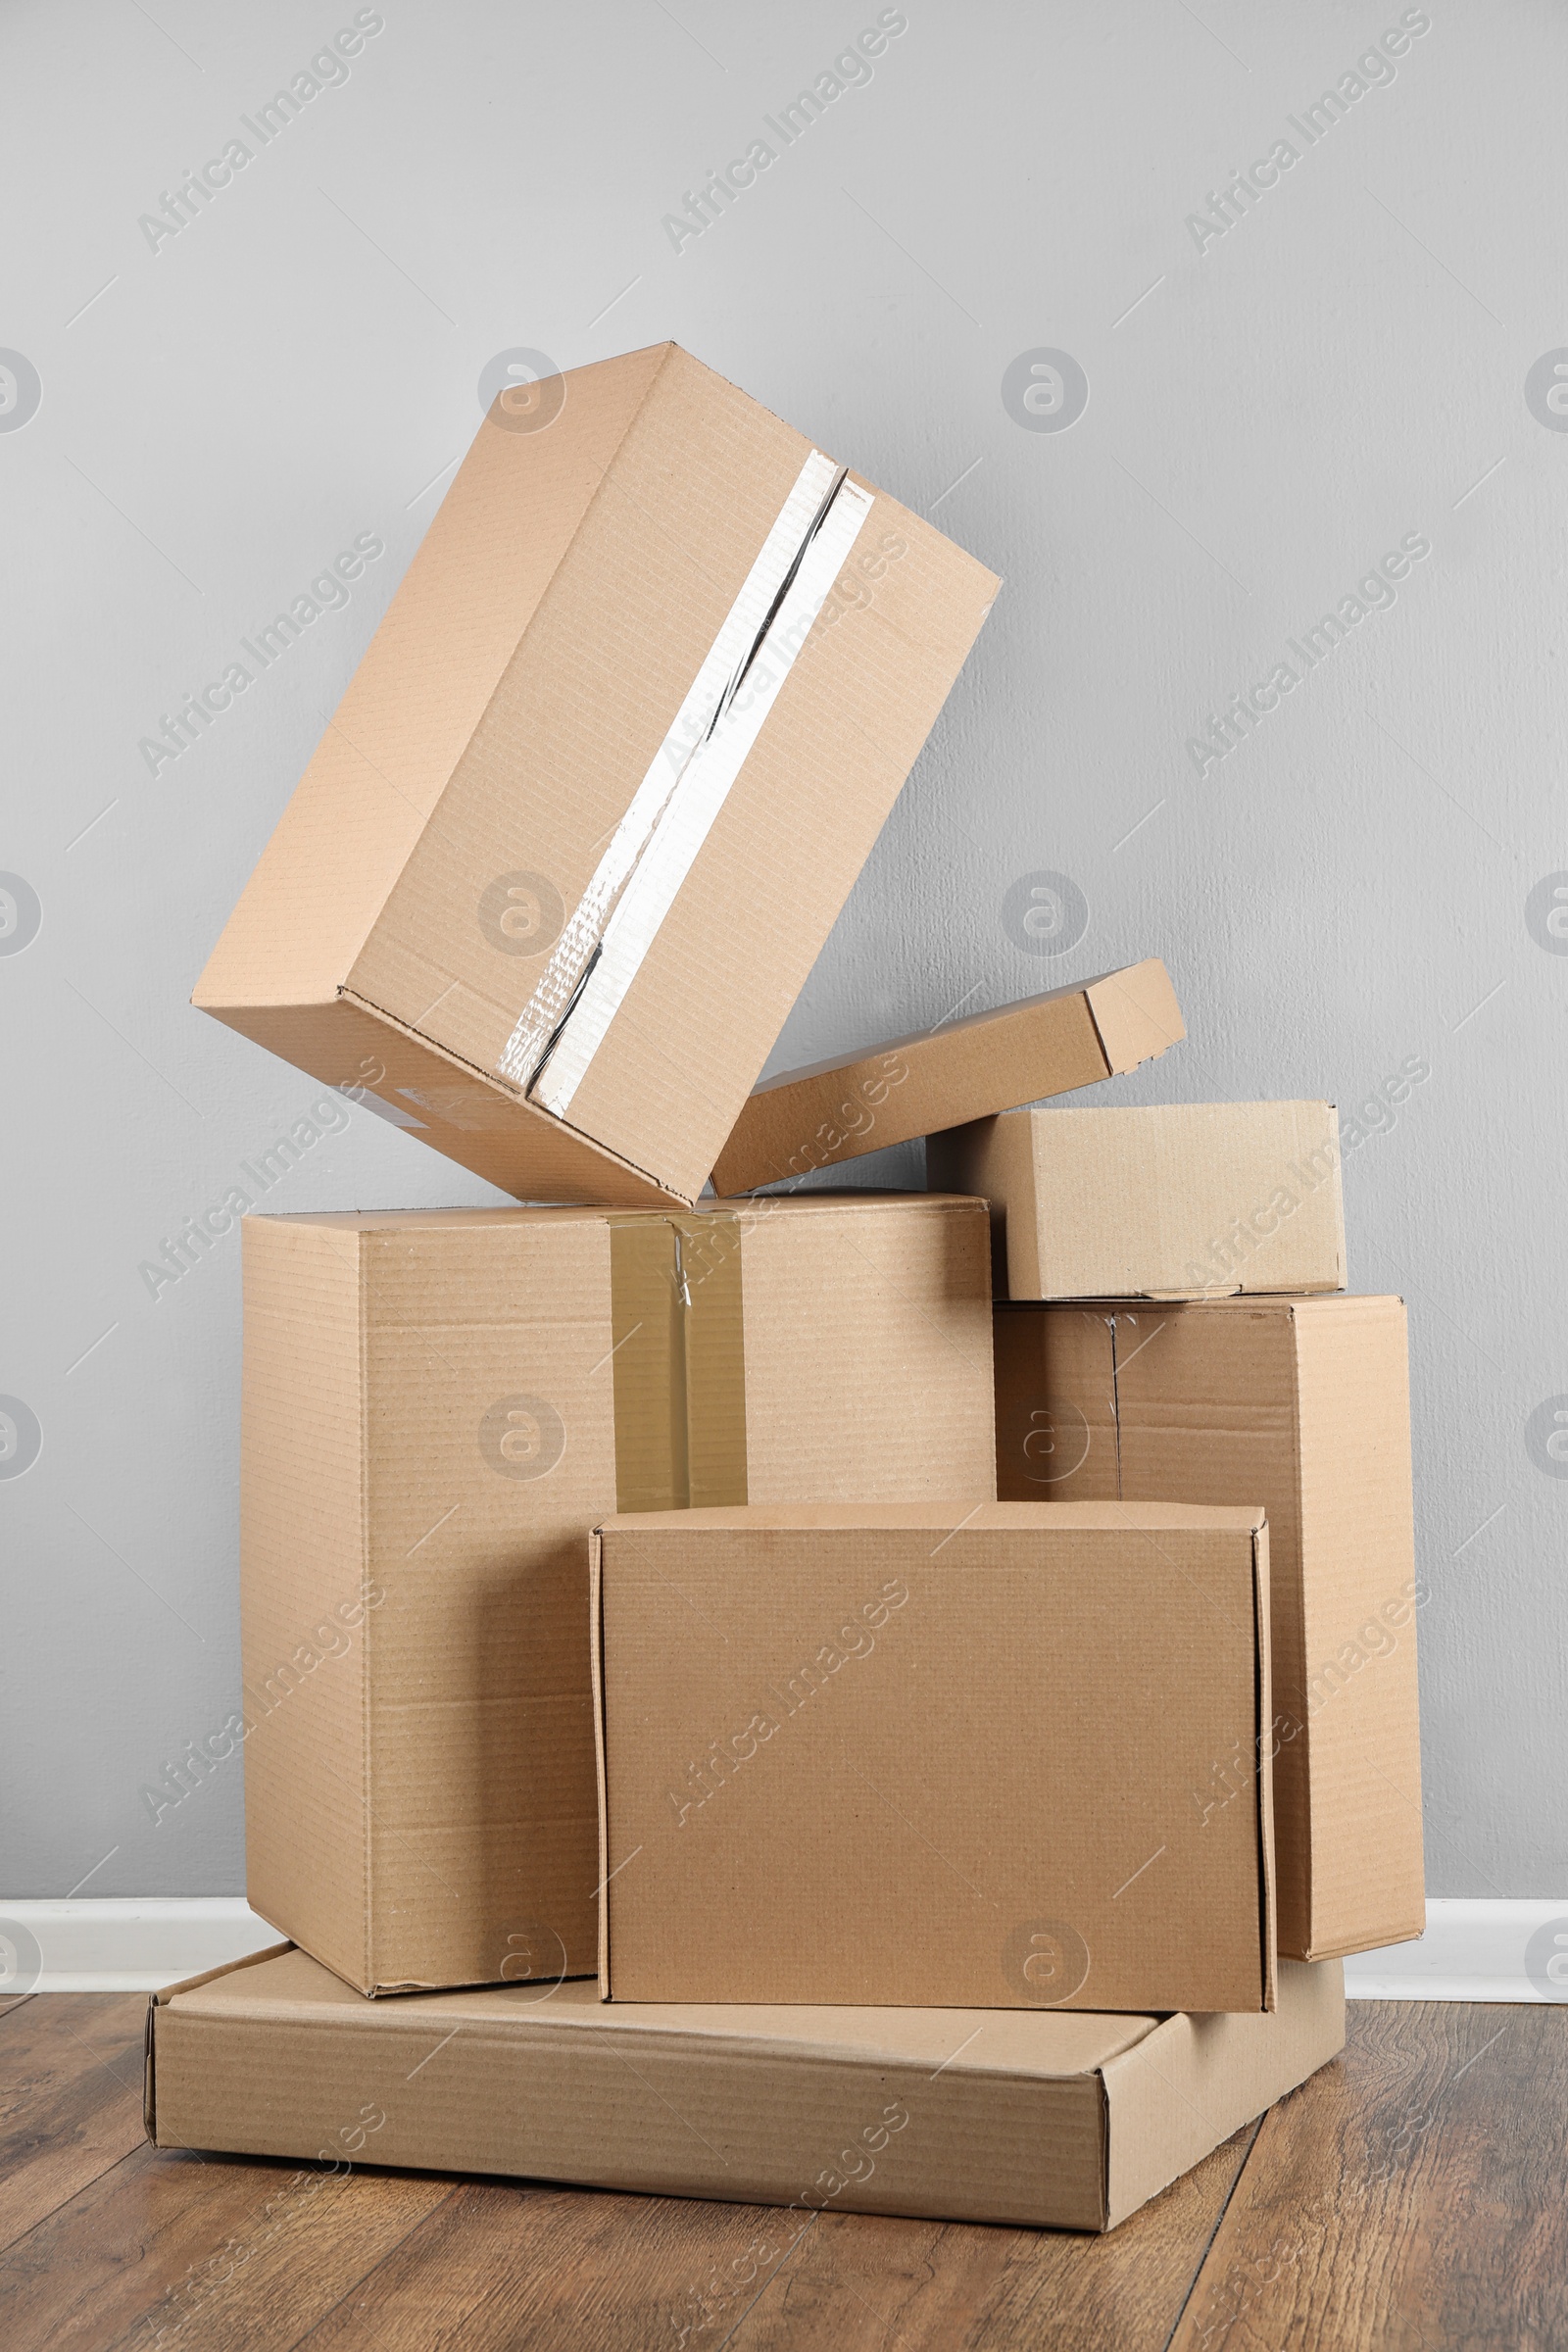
[{"x": 1414, "y": 2193}]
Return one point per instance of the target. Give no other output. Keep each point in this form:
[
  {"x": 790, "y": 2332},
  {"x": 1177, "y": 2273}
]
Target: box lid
[
  {"x": 1053, "y": 2120},
  {"x": 553, "y": 837},
  {"x": 961, "y": 1070}
]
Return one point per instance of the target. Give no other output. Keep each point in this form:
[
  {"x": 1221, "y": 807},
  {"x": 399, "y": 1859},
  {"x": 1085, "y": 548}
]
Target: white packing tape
[{"x": 673, "y": 809}]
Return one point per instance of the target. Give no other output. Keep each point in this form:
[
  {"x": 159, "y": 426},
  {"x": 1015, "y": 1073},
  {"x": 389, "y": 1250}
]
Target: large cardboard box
[
  {"x": 935, "y": 1756},
  {"x": 1169, "y": 1200},
  {"x": 1300, "y": 1406},
  {"x": 1058, "y": 2120},
  {"x": 592, "y": 801},
  {"x": 911, "y": 1086},
  {"x": 438, "y": 1405}
]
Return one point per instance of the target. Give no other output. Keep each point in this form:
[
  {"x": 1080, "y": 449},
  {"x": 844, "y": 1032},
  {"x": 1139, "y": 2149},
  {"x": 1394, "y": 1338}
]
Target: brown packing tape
[
  {"x": 650, "y": 1446},
  {"x": 708, "y": 1283},
  {"x": 677, "y": 1320}
]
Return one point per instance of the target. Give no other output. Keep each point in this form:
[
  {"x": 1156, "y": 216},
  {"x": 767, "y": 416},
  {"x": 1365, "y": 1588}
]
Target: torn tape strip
[
  {"x": 598, "y": 954},
  {"x": 679, "y": 1360}
]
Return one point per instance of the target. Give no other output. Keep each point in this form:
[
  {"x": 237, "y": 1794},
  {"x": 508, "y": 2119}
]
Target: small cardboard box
[
  {"x": 1172, "y": 1200},
  {"x": 835, "y": 1110},
  {"x": 438, "y": 1405},
  {"x": 1300, "y": 1406},
  {"x": 942, "y": 1758},
  {"x": 597, "y": 790},
  {"x": 1057, "y": 2121}
]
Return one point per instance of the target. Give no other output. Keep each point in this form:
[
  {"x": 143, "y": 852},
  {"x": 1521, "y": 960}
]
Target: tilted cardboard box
[
  {"x": 835, "y": 1110},
  {"x": 1170, "y": 1199},
  {"x": 1300, "y": 1406},
  {"x": 943, "y": 1757},
  {"x": 438, "y": 1405},
  {"x": 592, "y": 801},
  {"x": 1057, "y": 2121}
]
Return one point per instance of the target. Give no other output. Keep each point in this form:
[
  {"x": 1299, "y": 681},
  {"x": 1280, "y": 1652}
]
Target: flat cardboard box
[
  {"x": 438, "y": 1405},
  {"x": 911, "y": 1086},
  {"x": 942, "y": 1758},
  {"x": 1300, "y": 1406},
  {"x": 1052, "y": 2121},
  {"x": 1169, "y": 1200},
  {"x": 583, "y": 819}
]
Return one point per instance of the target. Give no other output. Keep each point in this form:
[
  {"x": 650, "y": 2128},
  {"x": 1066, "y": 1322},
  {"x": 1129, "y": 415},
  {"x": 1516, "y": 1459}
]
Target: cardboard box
[
  {"x": 1300, "y": 1406},
  {"x": 911, "y": 1086},
  {"x": 936, "y": 1756},
  {"x": 1054, "y": 2121},
  {"x": 1172, "y": 1200},
  {"x": 438, "y": 1405},
  {"x": 600, "y": 784}
]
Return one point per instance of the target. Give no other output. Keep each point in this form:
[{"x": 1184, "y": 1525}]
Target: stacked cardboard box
[{"x": 960, "y": 1733}]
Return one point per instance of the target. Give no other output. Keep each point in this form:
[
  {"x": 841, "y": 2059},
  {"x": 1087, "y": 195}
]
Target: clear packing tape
[{"x": 601, "y": 949}]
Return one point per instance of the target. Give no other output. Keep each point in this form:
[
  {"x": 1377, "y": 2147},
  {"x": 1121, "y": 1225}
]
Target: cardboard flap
[
  {"x": 159, "y": 2000},
  {"x": 960, "y": 1072},
  {"x": 1136, "y": 1013},
  {"x": 1187, "y": 2086}
]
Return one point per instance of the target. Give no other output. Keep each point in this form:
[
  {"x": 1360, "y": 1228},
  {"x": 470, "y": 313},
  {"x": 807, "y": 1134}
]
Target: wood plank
[
  {"x": 70, "y": 2098},
  {"x": 217, "y": 2253},
  {"x": 1409, "y": 2195},
  {"x": 509, "y": 2266},
  {"x": 505, "y": 2268},
  {"x": 869, "y": 2285}
]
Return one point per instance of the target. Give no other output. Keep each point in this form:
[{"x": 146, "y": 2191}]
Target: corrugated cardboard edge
[
  {"x": 1296, "y": 1701},
  {"x": 596, "y": 1623},
  {"x": 1136, "y": 1014},
  {"x": 1224, "y": 2070},
  {"x": 1394, "y": 1927},
  {"x": 1263, "y": 1782},
  {"x": 361, "y": 1309},
  {"x": 156, "y": 2001}
]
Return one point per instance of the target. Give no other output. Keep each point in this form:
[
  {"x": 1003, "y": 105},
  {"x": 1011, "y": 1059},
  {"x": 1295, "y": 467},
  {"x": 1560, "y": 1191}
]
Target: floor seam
[
  {"x": 80, "y": 2190},
  {"x": 355, "y": 2284},
  {"x": 1202, "y": 2264}
]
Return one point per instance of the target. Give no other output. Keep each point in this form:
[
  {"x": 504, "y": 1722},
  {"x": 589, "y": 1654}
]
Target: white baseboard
[
  {"x": 123, "y": 1944},
  {"x": 1471, "y": 1951}
]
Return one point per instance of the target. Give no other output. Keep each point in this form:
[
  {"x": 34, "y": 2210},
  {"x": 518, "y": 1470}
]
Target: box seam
[
  {"x": 1104, "y": 2149},
  {"x": 159, "y": 2000},
  {"x": 367, "y": 1855},
  {"x": 1089, "y": 987},
  {"x": 149, "y": 2080},
  {"x": 1268, "y": 1922},
  {"x": 1115, "y": 1320},
  {"x": 595, "y": 1643},
  {"x": 1299, "y": 1696},
  {"x": 498, "y": 1087}
]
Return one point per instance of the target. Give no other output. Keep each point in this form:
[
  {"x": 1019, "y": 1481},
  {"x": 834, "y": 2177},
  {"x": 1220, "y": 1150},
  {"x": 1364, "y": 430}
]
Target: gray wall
[{"x": 1360, "y": 881}]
